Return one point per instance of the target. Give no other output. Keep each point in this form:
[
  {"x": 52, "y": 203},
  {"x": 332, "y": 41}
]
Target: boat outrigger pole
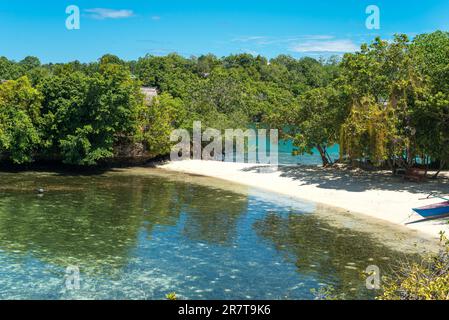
[{"x": 433, "y": 195}]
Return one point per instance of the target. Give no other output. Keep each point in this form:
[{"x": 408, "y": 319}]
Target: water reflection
[
  {"x": 97, "y": 220},
  {"x": 138, "y": 237},
  {"x": 337, "y": 257}
]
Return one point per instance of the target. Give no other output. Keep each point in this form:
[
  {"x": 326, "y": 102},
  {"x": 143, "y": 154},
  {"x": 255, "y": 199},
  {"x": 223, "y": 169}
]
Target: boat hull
[{"x": 433, "y": 210}]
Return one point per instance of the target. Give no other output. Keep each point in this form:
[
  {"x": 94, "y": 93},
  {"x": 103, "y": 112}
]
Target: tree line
[{"x": 386, "y": 105}]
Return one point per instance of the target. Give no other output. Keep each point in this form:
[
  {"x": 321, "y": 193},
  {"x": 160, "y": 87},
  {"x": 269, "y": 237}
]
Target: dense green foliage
[
  {"x": 80, "y": 113},
  {"x": 19, "y": 119},
  {"x": 425, "y": 280},
  {"x": 387, "y": 104},
  {"x": 397, "y": 106}
]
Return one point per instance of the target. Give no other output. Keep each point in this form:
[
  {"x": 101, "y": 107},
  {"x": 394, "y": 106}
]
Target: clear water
[
  {"x": 141, "y": 237},
  {"x": 285, "y": 155},
  {"x": 286, "y": 148}
]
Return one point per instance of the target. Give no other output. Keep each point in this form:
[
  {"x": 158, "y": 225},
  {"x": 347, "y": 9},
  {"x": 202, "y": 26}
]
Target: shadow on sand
[
  {"x": 355, "y": 180},
  {"x": 442, "y": 220}
]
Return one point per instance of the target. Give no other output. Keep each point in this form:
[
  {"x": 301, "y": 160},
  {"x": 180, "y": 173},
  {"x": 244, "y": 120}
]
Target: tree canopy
[{"x": 386, "y": 104}]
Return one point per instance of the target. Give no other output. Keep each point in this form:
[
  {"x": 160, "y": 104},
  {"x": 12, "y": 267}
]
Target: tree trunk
[
  {"x": 324, "y": 158},
  {"x": 390, "y": 164},
  {"x": 328, "y": 156},
  {"x": 442, "y": 163}
]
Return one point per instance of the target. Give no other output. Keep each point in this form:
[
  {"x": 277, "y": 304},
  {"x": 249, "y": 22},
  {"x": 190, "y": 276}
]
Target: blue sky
[{"x": 133, "y": 28}]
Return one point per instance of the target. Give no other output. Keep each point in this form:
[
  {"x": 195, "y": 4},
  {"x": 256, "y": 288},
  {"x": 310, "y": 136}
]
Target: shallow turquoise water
[
  {"x": 285, "y": 154},
  {"x": 286, "y": 157},
  {"x": 135, "y": 237}
]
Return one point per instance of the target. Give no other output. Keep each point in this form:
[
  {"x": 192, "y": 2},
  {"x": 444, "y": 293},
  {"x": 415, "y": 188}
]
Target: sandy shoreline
[{"x": 377, "y": 195}]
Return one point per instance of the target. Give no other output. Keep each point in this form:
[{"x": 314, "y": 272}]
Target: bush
[{"x": 425, "y": 280}]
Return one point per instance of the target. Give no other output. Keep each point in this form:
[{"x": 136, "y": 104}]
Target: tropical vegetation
[
  {"x": 386, "y": 105},
  {"x": 423, "y": 280}
]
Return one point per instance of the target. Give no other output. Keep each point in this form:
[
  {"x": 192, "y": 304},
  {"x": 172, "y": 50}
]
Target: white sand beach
[{"x": 378, "y": 195}]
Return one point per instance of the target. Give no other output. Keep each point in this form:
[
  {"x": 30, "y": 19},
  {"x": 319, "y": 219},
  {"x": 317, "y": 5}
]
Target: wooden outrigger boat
[{"x": 434, "y": 210}]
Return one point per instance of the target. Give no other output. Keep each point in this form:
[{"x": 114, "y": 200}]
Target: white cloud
[
  {"x": 307, "y": 43},
  {"x": 103, "y": 13},
  {"x": 344, "y": 45},
  {"x": 265, "y": 40},
  {"x": 155, "y": 18},
  {"x": 251, "y": 52},
  {"x": 249, "y": 38},
  {"x": 317, "y": 37}
]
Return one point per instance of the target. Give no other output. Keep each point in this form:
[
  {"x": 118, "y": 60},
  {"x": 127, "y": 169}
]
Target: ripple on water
[{"x": 136, "y": 237}]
